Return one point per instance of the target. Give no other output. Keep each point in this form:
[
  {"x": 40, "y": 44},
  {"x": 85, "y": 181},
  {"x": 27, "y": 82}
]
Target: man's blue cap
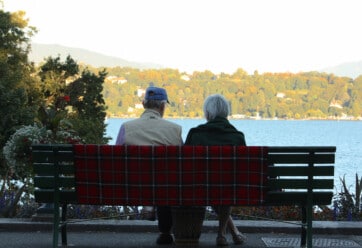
[{"x": 155, "y": 93}]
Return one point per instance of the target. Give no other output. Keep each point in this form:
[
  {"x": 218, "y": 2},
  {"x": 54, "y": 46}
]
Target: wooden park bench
[{"x": 183, "y": 176}]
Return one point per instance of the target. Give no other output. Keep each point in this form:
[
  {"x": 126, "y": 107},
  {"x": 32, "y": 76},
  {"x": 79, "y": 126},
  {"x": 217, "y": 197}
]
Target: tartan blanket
[{"x": 170, "y": 175}]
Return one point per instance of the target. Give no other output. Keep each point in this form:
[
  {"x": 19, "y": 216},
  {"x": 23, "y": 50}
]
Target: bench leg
[
  {"x": 64, "y": 225},
  {"x": 303, "y": 238},
  {"x": 310, "y": 226},
  {"x": 56, "y": 224},
  {"x": 307, "y": 227}
]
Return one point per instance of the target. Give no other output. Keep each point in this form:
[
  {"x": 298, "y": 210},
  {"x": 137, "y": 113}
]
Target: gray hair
[
  {"x": 153, "y": 104},
  {"x": 216, "y": 106}
]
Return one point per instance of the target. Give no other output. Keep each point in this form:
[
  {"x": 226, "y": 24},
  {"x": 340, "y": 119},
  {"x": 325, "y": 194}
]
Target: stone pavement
[{"x": 16, "y": 233}]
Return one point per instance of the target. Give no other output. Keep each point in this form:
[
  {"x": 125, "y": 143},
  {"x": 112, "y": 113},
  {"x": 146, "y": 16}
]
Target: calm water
[{"x": 345, "y": 135}]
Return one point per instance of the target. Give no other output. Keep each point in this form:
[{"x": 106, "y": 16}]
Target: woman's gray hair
[{"x": 216, "y": 106}]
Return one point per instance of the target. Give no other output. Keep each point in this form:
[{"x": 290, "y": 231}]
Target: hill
[
  {"x": 351, "y": 69},
  {"x": 41, "y": 51}
]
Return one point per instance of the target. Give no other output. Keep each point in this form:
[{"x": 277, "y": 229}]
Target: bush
[{"x": 347, "y": 205}]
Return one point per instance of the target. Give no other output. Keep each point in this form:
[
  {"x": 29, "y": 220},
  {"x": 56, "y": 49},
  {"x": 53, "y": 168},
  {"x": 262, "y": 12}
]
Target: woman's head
[{"x": 216, "y": 106}]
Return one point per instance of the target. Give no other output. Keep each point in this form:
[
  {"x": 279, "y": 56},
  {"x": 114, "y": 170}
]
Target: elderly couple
[{"x": 151, "y": 129}]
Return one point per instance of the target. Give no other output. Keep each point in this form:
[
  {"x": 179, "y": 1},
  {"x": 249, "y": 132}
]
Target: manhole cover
[{"x": 295, "y": 242}]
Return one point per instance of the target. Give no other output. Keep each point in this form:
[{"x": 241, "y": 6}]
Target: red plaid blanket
[{"x": 170, "y": 175}]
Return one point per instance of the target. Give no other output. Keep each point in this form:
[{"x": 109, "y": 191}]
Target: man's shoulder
[
  {"x": 160, "y": 122},
  {"x": 167, "y": 122},
  {"x": 131, "y": 121}
]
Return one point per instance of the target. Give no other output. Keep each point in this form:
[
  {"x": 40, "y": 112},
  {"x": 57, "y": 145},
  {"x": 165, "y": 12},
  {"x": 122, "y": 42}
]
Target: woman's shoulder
[{"x": 199, "y": 128}]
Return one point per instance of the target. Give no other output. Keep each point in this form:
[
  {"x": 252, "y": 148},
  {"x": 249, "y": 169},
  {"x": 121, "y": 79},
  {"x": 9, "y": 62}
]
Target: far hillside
[
  {"x": 304, "y": 95},
  {"x": 41, "y": 51},
  {"x": 307, "y": 95}
]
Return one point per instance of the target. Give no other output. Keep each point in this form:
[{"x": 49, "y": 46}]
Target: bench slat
[
  {"x": 300, "y": 184},
  {"x": 301, "y": 158},
  {"x": 47, "y": 182},
  {"x": 298, "y": 149},
  {"x": 47, "y": 196},
  {"x": 49, "y": 169},
  {"x": 297, "y": 198},
  {"x": 51, "y": 147},
  {"x": 275, "y": 171},
  {"x": 49, "y": 156}
]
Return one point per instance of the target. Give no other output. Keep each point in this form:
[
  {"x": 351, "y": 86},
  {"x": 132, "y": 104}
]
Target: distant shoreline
[{"x": 250, "y": 118}]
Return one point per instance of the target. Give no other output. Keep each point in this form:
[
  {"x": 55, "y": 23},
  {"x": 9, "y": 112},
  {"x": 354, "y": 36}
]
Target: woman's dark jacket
[{"x": 218, "y": 131}]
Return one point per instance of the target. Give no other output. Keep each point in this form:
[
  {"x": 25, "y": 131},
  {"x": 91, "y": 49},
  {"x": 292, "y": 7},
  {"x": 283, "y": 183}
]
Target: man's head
[
  {"x": 155, "y": 98},
  {"x": 155, "y": 93}
]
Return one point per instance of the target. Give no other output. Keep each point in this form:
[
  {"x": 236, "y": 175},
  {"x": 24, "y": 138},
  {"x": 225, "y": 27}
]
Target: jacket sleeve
[{"x": 121, "y": 136}]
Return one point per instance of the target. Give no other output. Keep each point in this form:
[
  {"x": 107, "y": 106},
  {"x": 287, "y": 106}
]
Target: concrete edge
[{"x": 319, "y": 227}]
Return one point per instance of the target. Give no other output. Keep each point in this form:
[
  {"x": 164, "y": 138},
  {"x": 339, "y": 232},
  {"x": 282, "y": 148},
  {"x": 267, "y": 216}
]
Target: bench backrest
[
  {"x": 300, "y": 174},
  {"x": 54, "y": 173},
  {"x": 183, "y": 175},
  {"x": 151, "y": 175}
]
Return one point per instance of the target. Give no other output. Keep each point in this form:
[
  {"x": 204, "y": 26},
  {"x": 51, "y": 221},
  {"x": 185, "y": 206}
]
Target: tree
[
  {"x": 88, "y": 106},
  {"x": 18, "y": 91},
  {"x": 17, "y": 95},
  {"x": 54, "y": 76},
  {"x": 74, "y": 96}
]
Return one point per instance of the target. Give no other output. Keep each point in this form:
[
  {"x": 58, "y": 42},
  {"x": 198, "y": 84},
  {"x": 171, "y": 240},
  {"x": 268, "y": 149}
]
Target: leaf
[
  {"x": 358, "y": 186},
  {"x": 348, "y": 195}
]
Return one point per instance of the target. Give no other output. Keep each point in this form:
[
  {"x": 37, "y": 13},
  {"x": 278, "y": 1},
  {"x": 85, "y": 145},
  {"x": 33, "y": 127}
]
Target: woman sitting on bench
[{"x": 218, "y": 131}]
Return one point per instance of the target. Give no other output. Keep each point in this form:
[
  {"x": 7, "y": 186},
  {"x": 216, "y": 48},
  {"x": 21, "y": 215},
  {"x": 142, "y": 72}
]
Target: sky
[{"x": 198, "y": 35}]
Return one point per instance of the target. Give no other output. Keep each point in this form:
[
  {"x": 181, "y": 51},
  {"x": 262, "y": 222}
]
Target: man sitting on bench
[{"x": 152, "y": 129}]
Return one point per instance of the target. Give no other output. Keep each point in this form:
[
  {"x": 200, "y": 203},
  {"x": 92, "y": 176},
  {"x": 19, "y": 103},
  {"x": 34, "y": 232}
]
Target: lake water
[{"x": 345, "y": 135}]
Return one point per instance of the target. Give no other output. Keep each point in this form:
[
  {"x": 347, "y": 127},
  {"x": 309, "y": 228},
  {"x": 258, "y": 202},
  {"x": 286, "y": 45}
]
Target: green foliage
[
  {"x": 17, "y": 150},
  {"x": 17, "y": 153},
  {"x": 17, "y": 97},
  {"x": 92, "y": 131},
  {"x": 76, "y": 98},
  {"x": 21, "y": 94},
  {"x": 54, "y": 75},
  {"x": 348, "y": 203},
  {"x": 88, "y": 107}
]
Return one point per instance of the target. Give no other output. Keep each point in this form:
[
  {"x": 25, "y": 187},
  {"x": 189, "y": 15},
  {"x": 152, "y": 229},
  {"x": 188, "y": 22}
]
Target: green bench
[{"x": 183, "y": 176}]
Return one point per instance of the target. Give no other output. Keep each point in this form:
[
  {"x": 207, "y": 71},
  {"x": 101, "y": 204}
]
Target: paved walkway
[{"x": 15, "y": 233}]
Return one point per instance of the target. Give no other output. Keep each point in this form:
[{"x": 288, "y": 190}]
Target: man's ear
[{"x": 162, "y": 108}]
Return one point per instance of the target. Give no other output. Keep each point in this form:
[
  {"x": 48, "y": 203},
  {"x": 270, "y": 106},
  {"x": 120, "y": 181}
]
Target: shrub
[{"x": 347, "y": 205}]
